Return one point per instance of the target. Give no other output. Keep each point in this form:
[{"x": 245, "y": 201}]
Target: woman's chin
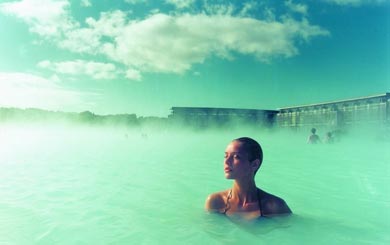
[{"x": 228, "y": 176}]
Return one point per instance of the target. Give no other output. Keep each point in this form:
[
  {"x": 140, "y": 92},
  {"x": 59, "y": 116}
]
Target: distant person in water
[
  {"x": 329, "y": 138},
  {"x": 243, "y": 157},
  {"x": 313, "y": 138}
]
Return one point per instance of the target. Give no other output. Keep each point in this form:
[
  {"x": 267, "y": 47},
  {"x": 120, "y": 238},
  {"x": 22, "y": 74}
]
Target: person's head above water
[
  {"x": 243, "y": 157},
  {"x": 252, "y": 148},
  {"x": 313, "y": 130},
  {"x": 241, "y": 150}
]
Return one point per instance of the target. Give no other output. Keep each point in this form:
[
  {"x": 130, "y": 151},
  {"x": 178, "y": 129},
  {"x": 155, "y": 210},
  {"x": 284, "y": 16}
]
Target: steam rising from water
[{"x": 73, "y": 183}]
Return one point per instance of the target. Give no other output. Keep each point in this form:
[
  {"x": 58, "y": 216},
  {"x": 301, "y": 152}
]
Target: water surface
[{"x": 79, "y": 185}]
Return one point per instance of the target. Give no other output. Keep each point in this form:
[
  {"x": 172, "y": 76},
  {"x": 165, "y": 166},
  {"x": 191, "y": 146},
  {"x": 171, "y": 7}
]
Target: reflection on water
[{"x": 103, "y": 185}]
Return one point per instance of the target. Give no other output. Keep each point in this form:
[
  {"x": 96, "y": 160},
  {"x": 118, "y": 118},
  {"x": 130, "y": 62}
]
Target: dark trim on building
[{"x": 210, "y": 116}]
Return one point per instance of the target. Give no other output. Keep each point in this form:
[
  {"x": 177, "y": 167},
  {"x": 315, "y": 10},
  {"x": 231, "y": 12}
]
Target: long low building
[
  {"x": 364, "y": 110},
  {"x": 208, "y": 116},
  {"x": 335, "y": 114}
]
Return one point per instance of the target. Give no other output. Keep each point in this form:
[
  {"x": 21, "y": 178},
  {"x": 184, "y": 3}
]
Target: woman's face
[{"x": 236, "y": 163}]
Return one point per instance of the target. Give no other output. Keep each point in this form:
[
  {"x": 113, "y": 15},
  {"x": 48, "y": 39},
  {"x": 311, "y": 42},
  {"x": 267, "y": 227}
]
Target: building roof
[
  {"x": 176, "y": 108},
  {"x": 339, "y": 101}
]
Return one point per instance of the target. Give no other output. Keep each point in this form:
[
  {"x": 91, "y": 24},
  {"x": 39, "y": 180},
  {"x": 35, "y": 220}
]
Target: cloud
[
  {"x": 163, "y": 43},
  {"x": 27, "y": 90},
  {"x": 219, "y": 9},
  {"x": 82, "y": 40},
  {"x": 109, "y": 24},
  {"x": 181, "y": 3},
  {"x": 357, "y": 2},
  {"x": 133, "y": 74},
  {"x": 96, "y": 70},
  {"x": 248, "y": 7},
  {"x": 135, "y": 1},
  {"x": 298, "y": 8},
  {"x": 90, "y": 38},
  {"x": 47, "y": 18},
  {"x": 86, "y": 3}
]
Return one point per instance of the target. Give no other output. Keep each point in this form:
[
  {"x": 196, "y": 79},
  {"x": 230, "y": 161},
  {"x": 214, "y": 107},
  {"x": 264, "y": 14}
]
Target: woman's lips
[{"x": 227, "y": 170}]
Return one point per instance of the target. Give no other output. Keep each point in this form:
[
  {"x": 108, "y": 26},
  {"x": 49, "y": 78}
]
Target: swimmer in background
[
  {"x": 313, "y": 138},
  {"x": 329, "y": 138},
  {"x": 243, "y": 157}
]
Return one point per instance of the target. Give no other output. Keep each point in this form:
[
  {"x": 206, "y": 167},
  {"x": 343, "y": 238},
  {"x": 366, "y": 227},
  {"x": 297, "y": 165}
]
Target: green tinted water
[{"x": 106, "y": 186}]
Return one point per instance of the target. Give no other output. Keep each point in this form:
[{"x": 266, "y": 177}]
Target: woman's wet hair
[{"x": 253, "y": 148}]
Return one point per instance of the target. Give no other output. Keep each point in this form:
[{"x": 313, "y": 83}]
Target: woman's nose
[{"x": 227, "y": 160}]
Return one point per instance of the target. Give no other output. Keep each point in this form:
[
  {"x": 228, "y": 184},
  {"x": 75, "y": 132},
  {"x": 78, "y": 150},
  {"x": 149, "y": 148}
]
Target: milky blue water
[{"x": 79, "y": 185}]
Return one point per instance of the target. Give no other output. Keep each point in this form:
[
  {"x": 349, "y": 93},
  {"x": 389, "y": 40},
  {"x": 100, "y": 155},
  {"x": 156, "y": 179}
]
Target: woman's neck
[{"x": 244, "y": 192}]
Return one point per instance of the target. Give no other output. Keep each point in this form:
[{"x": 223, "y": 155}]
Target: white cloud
[
  {"x": 161, "y": 42},
  {"x": 172, "y": 44},
  {"x": 296, "y": 7},
  {"x": 248, "y": 7},
  {"x": 109, "y": 24},
  {"x": 86, "y": 3},
  {"x": 27, "y": 90},
  {"x": 47, "y": 18},
  {"x": 96, "y": 70},
  {"x": 181, "y": 3},
  {"x": 89, "y": 39},
  {"x": 82, "y": 40},
  {"x": 135, "y": 1},
  {"x": 133, "y": 74},
  {"x": 357, "y": 2},
  {"x": 219, "y": 9}
]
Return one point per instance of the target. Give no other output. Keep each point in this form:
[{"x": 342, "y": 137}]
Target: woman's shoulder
[
  {"x": 216, "y": 201},
  {"x": 273, "y": 205}
]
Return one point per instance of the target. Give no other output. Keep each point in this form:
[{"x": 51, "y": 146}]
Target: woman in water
[{"x": 243, "y": 157}]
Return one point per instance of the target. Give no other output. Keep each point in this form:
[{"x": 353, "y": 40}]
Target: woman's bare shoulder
[
  {"x": 216, "y": 201},
  {"x": 273, "y": 205}
]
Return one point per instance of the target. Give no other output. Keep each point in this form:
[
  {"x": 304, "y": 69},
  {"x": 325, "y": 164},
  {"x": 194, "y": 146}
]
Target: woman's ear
[{"x": 255, "y": 164}]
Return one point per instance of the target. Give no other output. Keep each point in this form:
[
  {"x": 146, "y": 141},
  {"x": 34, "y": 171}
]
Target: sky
[{"x": 145, "y": 56}]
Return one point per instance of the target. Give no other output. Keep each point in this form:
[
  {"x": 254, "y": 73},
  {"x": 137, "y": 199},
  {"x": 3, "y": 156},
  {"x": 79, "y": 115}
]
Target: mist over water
[{"x": 73, "y": 184}]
